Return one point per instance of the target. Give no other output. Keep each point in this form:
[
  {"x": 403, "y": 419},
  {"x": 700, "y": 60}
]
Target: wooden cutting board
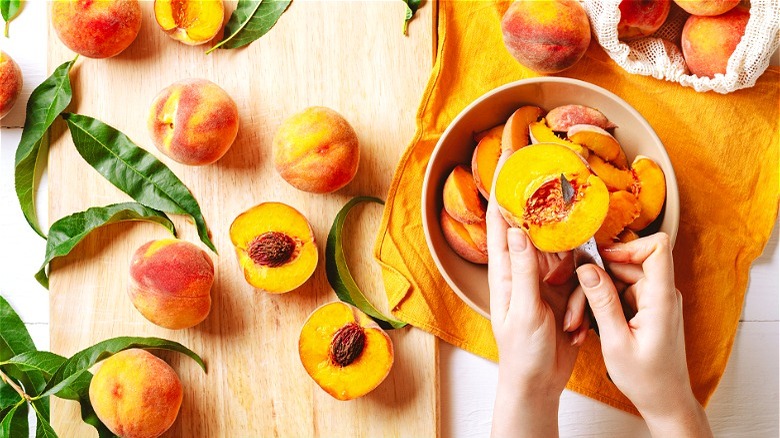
[{"x": 351, "y": 57}]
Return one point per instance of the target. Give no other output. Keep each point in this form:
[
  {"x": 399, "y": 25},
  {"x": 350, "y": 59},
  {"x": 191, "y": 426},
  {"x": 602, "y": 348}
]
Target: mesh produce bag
[{"x": 660, "y": 56}]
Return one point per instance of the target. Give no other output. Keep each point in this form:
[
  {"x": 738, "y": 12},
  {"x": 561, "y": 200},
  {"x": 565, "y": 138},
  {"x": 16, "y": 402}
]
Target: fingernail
[
  {"x": 588, "y": 276},
  {"x": 567, "y": 320},
  {"x": 579, "y": 338},
  {"x": 517, "y": 239}
]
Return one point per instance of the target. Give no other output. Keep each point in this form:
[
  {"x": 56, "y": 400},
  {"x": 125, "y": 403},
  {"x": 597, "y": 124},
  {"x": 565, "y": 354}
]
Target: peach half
[
  {"x": 275, "y": 247},
  {"x": 96, "y": 29},
  {"x": 193, "y": 121},
  {"x": 10, "y": 83},
  {"x": 530, "y": 196},
  {"x": 136, "y": 394},
  {"x": 650, "y": 191},
  {"x": 344, "y": 351},
  {"x": 469, "y": 243},
  {"x": 541, "y": 133},
  {"x": 170, "y": 283},
  {"x": 461, "y": 197},
  {"x": 600, "y": 142},
  {"x": 516, "y": 129},
  {"x": 485, "y": 159},
  {"x": 192, "y": 22}
]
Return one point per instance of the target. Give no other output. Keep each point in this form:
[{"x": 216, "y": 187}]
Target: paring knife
[{"x": 587, "y": 252}]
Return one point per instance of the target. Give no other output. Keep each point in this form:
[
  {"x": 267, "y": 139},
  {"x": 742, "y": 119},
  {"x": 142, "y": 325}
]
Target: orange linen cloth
[{"x": 724, "y": 149}]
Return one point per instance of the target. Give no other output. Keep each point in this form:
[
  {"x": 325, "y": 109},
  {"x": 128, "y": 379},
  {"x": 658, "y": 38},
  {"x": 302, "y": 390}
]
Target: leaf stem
[
  {"x": 5, "y": 33},
  {"x": 13, "y": 385}
]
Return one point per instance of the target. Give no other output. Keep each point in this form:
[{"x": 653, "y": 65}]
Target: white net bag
[{"x": 660, "y": 56}]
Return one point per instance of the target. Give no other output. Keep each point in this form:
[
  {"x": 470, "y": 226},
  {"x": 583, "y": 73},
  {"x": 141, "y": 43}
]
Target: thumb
[{"x": 604, "y": 302}]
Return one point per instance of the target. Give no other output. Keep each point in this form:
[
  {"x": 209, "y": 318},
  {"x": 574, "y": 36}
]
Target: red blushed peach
[
  {"x": 640, "y": 18},
  {"x": 193, "y": 121},
  {"x": 316, "y": 150},
  {"x": 459, "y": 239},
  {"x": 136, "y": 394},
  {"x": 96, "y": 29},
  {"x": 707, "y": 7},
  {"x": 170, "y": 283},
  {"x": 708, "y": 42},
  {"x": 10, "y": 83},
  {"x": 546, "y": 36}
]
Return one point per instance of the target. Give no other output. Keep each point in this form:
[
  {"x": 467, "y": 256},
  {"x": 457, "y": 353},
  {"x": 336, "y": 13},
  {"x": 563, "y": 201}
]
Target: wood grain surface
[{"x": 349, "y": 56}]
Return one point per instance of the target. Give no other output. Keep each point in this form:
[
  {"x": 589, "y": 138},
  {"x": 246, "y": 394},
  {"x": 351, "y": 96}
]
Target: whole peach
[
  {"x": 546, "y": 36},
  {"x": 136, "y": 394},
  {"x": 10, "y": 83},
  {"x": 707, "y": 7},
  {"x": 193, "y": 121},
  {"x": 640, "y": 18},
  {"x": 96, "y": 28},
  {"x": 316, "y": 150},
  {"x": 170, "y": 283},
  {"x": 708, "y": 42}
]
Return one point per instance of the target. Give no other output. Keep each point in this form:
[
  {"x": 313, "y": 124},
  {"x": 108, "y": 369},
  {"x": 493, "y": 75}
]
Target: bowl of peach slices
[{"x": 619, "y": 180}]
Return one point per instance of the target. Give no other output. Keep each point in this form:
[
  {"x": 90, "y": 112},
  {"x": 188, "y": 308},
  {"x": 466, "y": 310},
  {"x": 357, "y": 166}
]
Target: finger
[
  {"x": 578, "y": 337},
  {"x": 499, "y": 266},
  {"x": 628, "y": 298},
  {"x": 563, "y": 271},
  {"x": 575, "y": 310},
  {"x": 604, "y": 303},
  {"x": 525, "y": 273},
  {"x": 627, "y": 273},
  {"x": 654, "y": 253}
]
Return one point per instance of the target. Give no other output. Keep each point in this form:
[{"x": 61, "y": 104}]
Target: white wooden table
[{"x": 744, "y": 405}]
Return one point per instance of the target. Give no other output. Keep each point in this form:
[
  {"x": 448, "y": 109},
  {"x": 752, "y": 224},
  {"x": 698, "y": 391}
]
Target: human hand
[
  {"x": 645, "y": 356},
  {"x": 538, "y": 324}
]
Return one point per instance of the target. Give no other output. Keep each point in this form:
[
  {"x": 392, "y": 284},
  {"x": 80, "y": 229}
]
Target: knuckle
[{"x": 662, "y": 240}]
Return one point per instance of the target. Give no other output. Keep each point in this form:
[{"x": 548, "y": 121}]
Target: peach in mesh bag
[{"x": 660, "y": 56}]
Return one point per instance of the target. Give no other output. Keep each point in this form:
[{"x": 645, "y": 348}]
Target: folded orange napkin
[{"x": 724, "y": 149}]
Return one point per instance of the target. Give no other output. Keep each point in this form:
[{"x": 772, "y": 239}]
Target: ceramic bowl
[{"x": 468, "y": 280}]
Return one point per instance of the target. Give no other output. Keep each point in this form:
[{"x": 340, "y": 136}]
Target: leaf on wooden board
[
  {"x": 338, "y": 273},
  {"x": 14, "y": 424},
  {"x": 251, "y": 20},
  {"x": 46, "y": 102},
  {"x": 9, "y": 9},
  {"x": 134, "y": 171},
  {"x": 67, "y": 232},
  {"x": 411, "y": 9},
  {"x": 77, "y": 364},
  {"x": 43, "y": 429},
  {"x": 78, "y": 390}
]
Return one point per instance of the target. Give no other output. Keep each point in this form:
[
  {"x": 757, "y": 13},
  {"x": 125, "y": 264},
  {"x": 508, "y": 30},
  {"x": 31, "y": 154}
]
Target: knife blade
[{"x": 588, "y": 252}]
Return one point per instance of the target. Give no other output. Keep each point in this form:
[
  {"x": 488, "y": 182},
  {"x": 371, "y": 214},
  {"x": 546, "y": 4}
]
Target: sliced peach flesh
[
  {"x": 515, "y": 135},
  {"x": 485, "y": 159},
  {"x": 615, "y": 179},
  {"x": 365, "y": 367},
  {"x": 275, "y": 247},
  {"x": 600, "y": 142},
  {"x": 192, "y": 22},
  {"x": 541, "y": 133},
  {"x": 650, "y": 190},
  {"x": 623, "y": 209},
  {"x": 461, "y": 241},
  {"x": 461, "y": 197},
  {"x": 529, "y": 195}
]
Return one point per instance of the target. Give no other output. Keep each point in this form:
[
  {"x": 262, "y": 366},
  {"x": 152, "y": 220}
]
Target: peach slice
[
  {"x": 461, "y": 241},
  {"x": 541, "y": 133},
  {"x": 275, "y": 247},
  {"x": 478, "y": 234},
  {"x": 461, "y": 197},
  {"x": 530, "y": 196},
  {"x": 192, "y": 22},
  {"x": 650, "y": 190},
  {"x": 516, "y": 133},
  {"x": 600, "y": 142},
  {"x": 615, "y": 179},
  {"x": 344, "y": 351},
  {"x": 485, "y": 159},
  {"x": 561, "y": 118},
  {"x": 623, "y": 209}
]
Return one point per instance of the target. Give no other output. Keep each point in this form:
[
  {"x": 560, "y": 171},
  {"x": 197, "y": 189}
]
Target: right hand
[{"x": 645, "y": 356}]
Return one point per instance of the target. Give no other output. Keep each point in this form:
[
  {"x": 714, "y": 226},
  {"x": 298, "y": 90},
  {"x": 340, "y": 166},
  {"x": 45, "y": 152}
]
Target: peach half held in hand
[
  {"x": 316, "y": 150},
  {"x": 546, "y": 36},
  {"x": 345, "y": 351},
  {"x": 193, "y": 121},
  {"x": 170, "y": 283},
  {"x": 530, "y": 196},
  {"x": 10, "y": 83},
  {"x": 96, "y": 29},
  {"x": 275, "y": 247},
  {"x": 136, "y": 394},
  {"x": 192, "y": 22}
]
